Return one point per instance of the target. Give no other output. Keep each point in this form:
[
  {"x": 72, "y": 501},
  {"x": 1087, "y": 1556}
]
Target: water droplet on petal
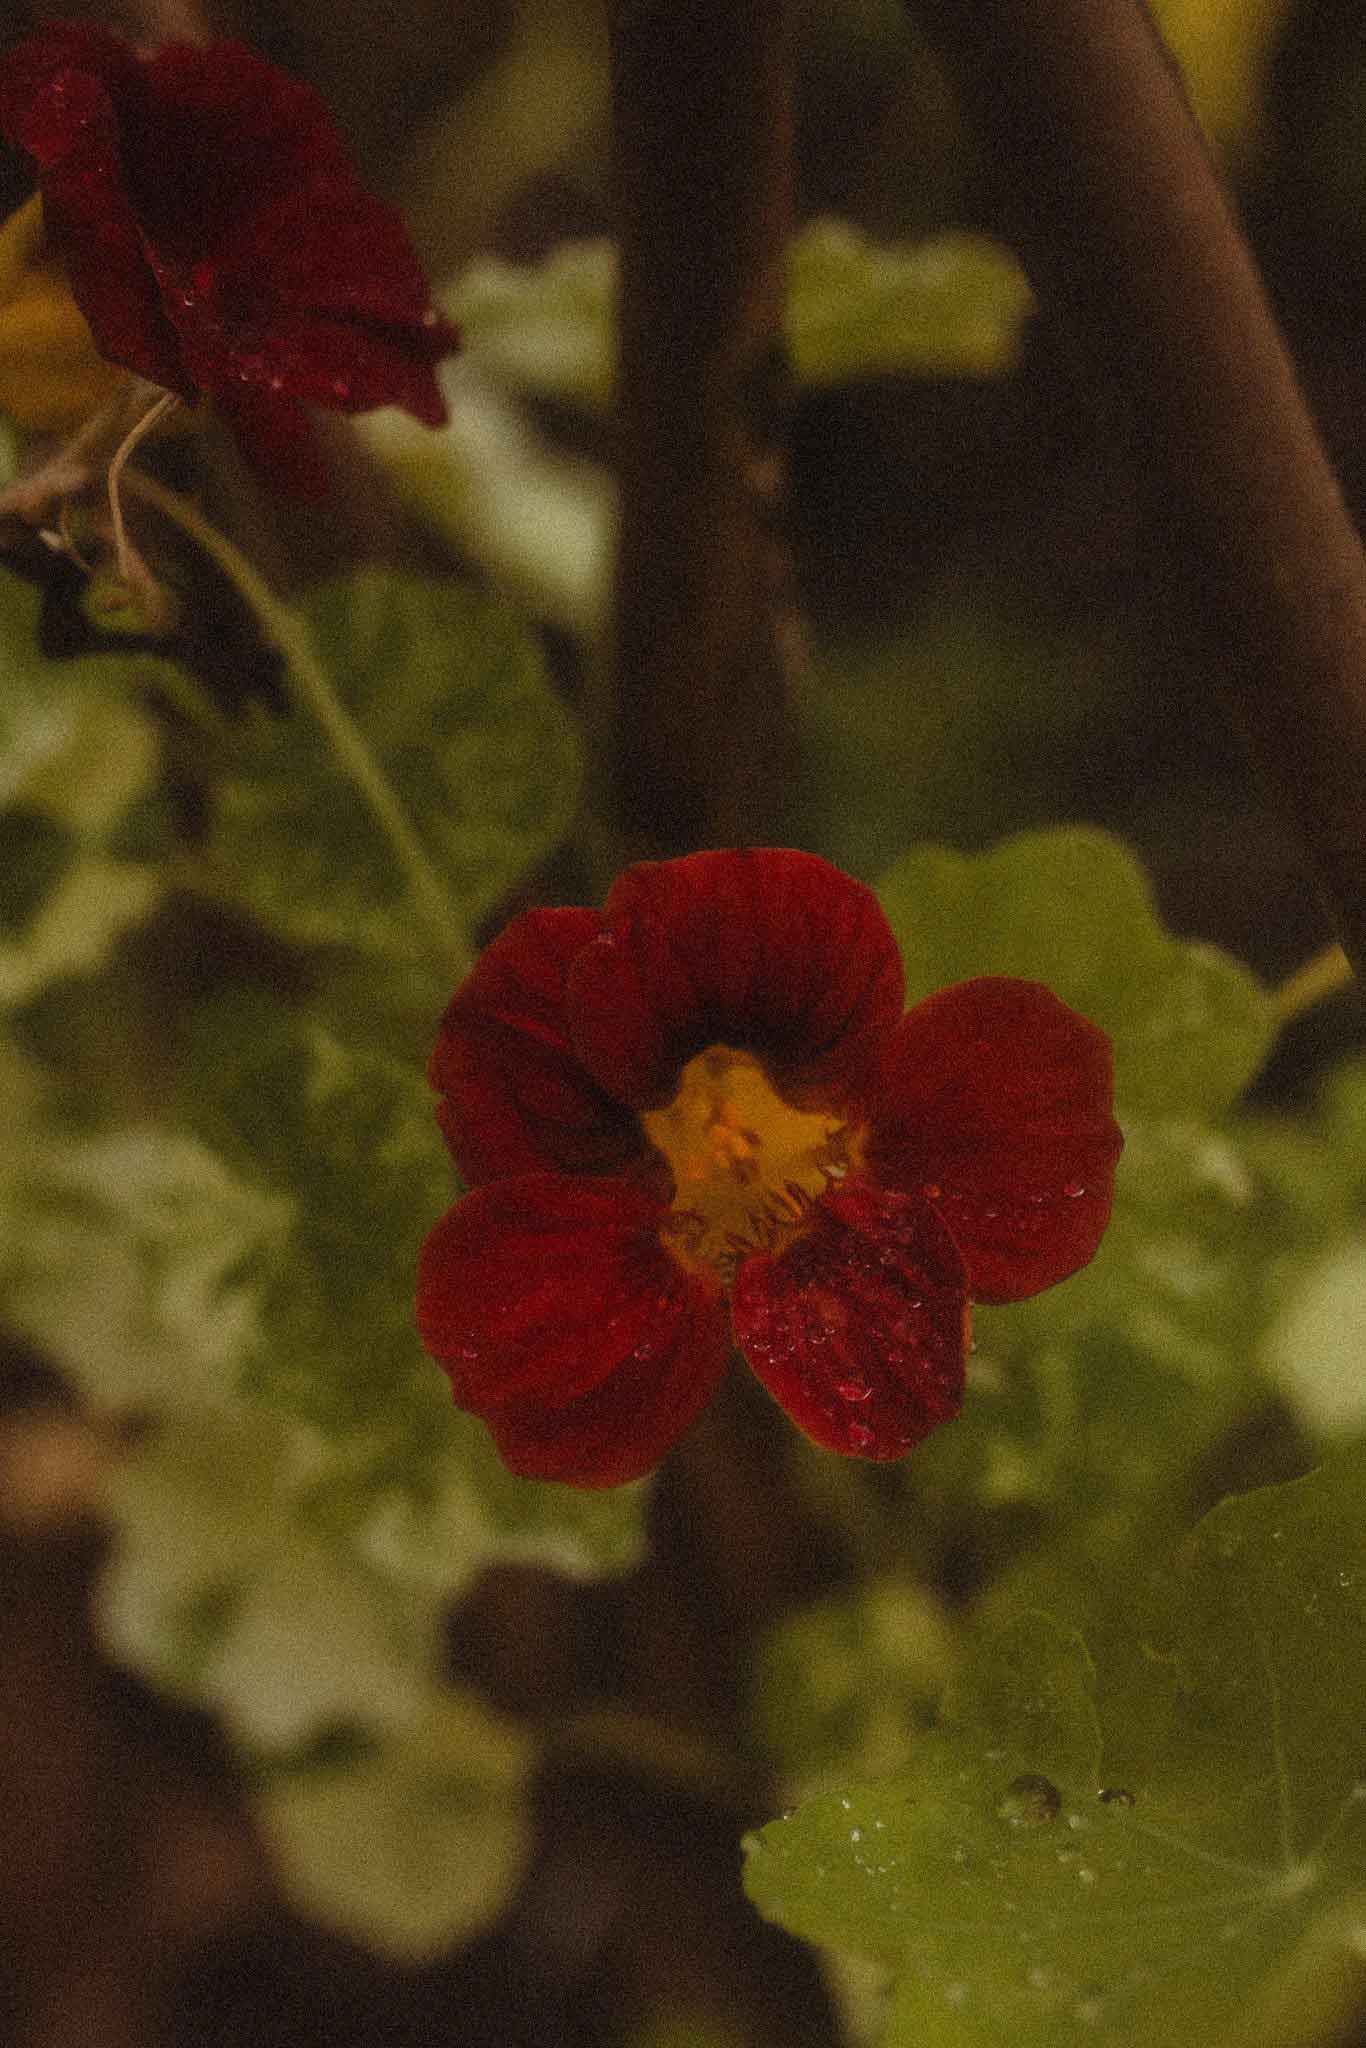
[
  {"x": 854, "y": 1390},
  {"x": 1030, "y": 1800},
  {"x": 1073, "y": 1189},
  {"x": 860, "y": 1436},
  {"x": 932, "y": 1191}
]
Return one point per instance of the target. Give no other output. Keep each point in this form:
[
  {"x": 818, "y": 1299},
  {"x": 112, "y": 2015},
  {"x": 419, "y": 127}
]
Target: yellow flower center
[{"x": 746, "y": 1166}]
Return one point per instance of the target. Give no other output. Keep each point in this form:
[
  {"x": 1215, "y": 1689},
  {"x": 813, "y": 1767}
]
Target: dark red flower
[
  {"x": 217, "y": 238},
  {"x": 700, "y": 1119}
]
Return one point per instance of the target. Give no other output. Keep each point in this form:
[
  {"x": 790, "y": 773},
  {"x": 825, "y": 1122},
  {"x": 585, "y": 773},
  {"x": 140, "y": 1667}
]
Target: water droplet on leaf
[
  {"x": 1115, "y": 1795},
  {"x": 1030, "y": 1800}
]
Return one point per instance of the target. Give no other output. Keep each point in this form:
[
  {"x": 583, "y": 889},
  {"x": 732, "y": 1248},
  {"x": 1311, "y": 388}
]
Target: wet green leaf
[{"x": 1142, "y": 1857}]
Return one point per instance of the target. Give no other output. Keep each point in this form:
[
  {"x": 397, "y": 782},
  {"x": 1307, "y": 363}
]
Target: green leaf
[
  {"x": 136, "y": 1259},
  {"x": 1139, "y": 1858},
  {"x": 1071, "y": 908},
  {"x": 347, "y": 1137},
  {"x": 416, "y": 1844},
  {"x": 952, "y": 306},
  {"x": 226, "y": 1587},
  {"x": 449, "y": 692},
  {"x": 847, "y": 1683},
  {"x": 540, "y": 521},
  {"x": 545, "y": 328},
  {"x": 77, "y": 758}
]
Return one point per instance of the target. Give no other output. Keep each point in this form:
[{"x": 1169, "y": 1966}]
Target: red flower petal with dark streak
[
  {"x": 772, "y": 950},
  {"x": 564, "y": 1322},
  {"x": 995, "y": 1099},
  {"x": 513, "y": 1096},
  {"x": 859, "y": 1329},
  {"x": 216, "y": 236},
  {"x": 718, "y": 1070}
]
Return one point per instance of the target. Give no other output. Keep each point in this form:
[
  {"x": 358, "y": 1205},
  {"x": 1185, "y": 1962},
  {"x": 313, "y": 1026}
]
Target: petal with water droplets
[{"x": 858, "y": 1329}]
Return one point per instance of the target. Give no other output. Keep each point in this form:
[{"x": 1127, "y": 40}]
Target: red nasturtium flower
[
  {"x": 216, "y": 236},
  {"x": 700, "y": 1119}
]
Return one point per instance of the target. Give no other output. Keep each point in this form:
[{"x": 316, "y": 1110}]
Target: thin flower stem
[
  {"x": 1323, "y": 976},
  {"x": 130, "y": 566},
  {"x": 288, "y": 633}
]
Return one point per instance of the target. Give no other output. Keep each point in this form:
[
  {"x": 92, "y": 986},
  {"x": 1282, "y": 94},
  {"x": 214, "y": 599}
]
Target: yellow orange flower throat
[{"x": 746, "y": 1166}]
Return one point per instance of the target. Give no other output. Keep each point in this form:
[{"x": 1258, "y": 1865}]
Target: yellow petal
[{"x": 51, "y": 374}]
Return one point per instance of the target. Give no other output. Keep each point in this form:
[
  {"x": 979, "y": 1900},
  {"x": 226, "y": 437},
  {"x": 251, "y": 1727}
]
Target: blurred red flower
[
  {"x": 700, "y": 1119},
  {"x": 218, "y": 240}
]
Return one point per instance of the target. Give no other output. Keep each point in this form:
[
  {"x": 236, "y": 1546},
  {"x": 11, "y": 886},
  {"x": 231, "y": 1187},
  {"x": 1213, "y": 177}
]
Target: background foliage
[{"x": 1063, "y": 1710}]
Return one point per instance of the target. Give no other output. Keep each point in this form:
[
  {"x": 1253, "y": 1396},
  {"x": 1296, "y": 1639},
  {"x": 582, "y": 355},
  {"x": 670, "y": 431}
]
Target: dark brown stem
[
  {"x": 1108, "y": 192},
  {"x": 702, "y": 107}
]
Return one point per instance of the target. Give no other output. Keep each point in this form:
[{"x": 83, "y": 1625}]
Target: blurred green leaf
[
  {"x": 346, "y": 1136},
  {"x": 1028, "y": 1879},
  {"x": 847, "y": 1683},
  {"x": 78, "y": 757},
  {"x": 416, "y": 1844},
  {"x": 1071, "y": 907},
  {"x": 953, "y": 306},
  {"x": 449, "y": 691},
  {"x": 538, "y": 520},
  {"x": 950, "y": 306},
  {"x": 1224, "y": 48}
]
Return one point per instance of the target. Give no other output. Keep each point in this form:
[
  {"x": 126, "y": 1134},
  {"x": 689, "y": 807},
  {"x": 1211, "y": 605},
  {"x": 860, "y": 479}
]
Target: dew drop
[
  {"x": 1074, "y": 1189},
  {"x": 1115, "y": 1795},
  {"x": 1086, "y": 1875},
  {"x": 860, "y": 1436},
  {"x": 341, "y": 387},
  {"x": 1030, "y": 1800},
  {"x": 1347, "y": 1580},
  {"x": 854, "y": 1390},
  {"x": 932, "y": 1191}
]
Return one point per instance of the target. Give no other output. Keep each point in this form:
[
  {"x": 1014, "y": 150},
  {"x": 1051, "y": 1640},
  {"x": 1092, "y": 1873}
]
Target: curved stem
[
  {"x": 1103, "y": 182},
  {"x": 129, "y": 563},
  {"x": 287, "y": 632},
  {"x": 1323, "y": 976}
]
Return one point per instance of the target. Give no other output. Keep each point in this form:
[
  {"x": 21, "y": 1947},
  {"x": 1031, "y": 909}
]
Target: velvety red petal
[
  {"x": 568, "y": 1328},
  {"x": 996, "y": 1102},
  {"x": 768, "y": 949},
  {"x": 218, "y": 239},
  {"x": 58, "y": 94},
  {"x": 859, "y": 1328},
  {"x": 514, "y": 1096}
]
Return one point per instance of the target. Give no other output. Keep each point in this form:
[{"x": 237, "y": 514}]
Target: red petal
[
  {"x": 996, "y": 1103},
  {"x": 770, "y": 950},
  {"x": 217, "y": 237},
  {"x": 859, "y": 1328},
  {"x": 59, "y": 95},
  {"x": 515, "y": 1098},
  {"x": 565, "y": 1324}
]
